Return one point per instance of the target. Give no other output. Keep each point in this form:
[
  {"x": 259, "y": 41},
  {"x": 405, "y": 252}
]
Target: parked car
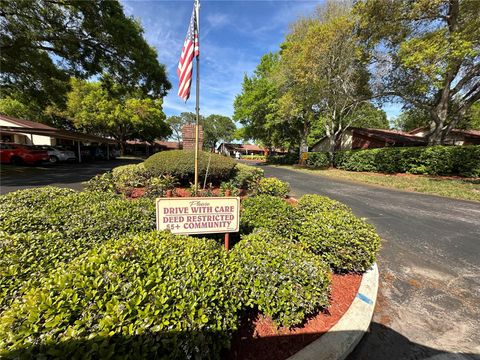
[
  {"x": 57, "y": 154},
  {"x": 18, "y": 154}
]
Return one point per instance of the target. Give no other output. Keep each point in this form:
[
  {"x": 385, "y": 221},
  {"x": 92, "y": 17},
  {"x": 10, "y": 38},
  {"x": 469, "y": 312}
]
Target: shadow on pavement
[
  {"x": 65, "y": 175},
  {"x": 174, "y": 345}
]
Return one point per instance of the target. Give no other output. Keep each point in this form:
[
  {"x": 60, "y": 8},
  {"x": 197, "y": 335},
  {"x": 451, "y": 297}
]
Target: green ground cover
[{"x": 85, "y": 275}]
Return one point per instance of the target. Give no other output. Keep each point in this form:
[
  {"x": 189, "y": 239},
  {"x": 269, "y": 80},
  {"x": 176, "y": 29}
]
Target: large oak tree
[{"x": 426, "y": 53}]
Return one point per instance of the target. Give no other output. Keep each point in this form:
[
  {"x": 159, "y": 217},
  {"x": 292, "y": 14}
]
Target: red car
[{"x": 19, "y": 154}]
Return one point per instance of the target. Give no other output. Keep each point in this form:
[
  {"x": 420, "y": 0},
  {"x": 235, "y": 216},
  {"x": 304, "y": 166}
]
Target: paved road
[
  {"x": 429, "y": 300},
  {"x": 63, "y": 175}
]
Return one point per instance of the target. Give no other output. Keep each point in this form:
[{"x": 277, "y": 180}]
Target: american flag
[{"x": 189, "y": 51}]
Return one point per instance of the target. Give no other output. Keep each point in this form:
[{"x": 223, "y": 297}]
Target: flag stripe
[{"x": 189, "y": 51}]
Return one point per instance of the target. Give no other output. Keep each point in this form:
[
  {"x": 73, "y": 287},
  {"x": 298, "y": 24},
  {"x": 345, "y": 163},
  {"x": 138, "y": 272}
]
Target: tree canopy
[
  {"x": 92, "y": 108},
  {"x": 426, "y": 53},
  {"x": 44, "y": 43}
]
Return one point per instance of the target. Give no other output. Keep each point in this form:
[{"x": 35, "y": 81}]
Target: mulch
[{"x": 259, "y": 338}]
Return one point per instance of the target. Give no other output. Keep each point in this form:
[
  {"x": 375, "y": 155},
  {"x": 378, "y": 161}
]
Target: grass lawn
[{"x": 454, "y": 187}]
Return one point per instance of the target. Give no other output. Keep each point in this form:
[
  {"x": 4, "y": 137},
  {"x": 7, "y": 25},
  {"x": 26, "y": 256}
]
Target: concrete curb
[{"x": 342, "y": 338}]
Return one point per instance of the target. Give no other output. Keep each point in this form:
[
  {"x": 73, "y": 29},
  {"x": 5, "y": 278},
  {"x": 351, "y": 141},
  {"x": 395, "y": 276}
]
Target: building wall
[
  {"x": 29, "y": 139},
  {"x": 345, "y": 143}
]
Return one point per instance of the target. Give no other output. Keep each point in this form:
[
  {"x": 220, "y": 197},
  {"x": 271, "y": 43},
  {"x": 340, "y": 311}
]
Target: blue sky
[{"x": 233, "y": 37}]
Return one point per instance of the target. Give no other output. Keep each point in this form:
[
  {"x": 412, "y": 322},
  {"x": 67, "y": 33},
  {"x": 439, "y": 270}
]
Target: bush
[
  {"x": 246, "y": 177},
  {"x": 281, "y": 279},
  {"x": 180, "y": 164},
  {"x": 101, "y": 183},
  {"x": 312, "y": 204},
  {"x": 344, "y": 241},
  {"x": 88, "y": 215},
  {"x": 431, "y": 160},
  {"x": 268, "y": 212},
  {"x": 158, "y": 186},
  {"x": 39, "y": 236},
  {"x": 130, "y": 176},
  {"x": 254, "y": 157},
  {"x": 273, "y": 186},
  {"x": 34, "y": 198},
  {"x": 318, "y": 160},
  {"x": 153, "y": 295},
  {"x": 288, "y": 159},
  {"x": 228, "y": 186}
]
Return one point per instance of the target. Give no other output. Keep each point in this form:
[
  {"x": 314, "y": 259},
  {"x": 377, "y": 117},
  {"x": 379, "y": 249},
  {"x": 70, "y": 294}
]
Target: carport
[{"x": 74, "y": 136}]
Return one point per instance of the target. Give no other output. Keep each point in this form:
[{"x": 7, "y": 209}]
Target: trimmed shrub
[
  {"x": 101, "y": 183},
  {"x": 32, "y": 199},
  {"x": 281, "y": 279},
  {"x": 254, "y": 157},
  {"x": 246, "y": 177},
  {"x": 318, "y": 160},
  {"x": 342, "y": 240},
  {"x": 153, "y": 295},
  {"x": 158, "y": 186},
  {"x": 273, "y": 187},
  {"x": 130, "y": 176},
  {"x": 288, "y": 159},
  {"x": 88, "y": 215},
  {"x": 430, "y": 160},
  {"x": 39, "y": 236},
  {"x": 268, "y": 212},
  {"x": 312, "y": 204},
  {"x": 181, "y": 163},
  {"x": 228, "y": 186}
]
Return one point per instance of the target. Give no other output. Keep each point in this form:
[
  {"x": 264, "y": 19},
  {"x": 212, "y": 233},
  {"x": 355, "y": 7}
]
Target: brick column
[{"x": 188, "y": 137}]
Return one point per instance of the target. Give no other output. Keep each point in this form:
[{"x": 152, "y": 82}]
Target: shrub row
[
  {"x": 318, "y": 160},
  {"x": 323, "y": 226},
  {"x": 45, "y": 227},
  {"x": 156, "y": 295},
  {"x": 273, "y": 187},
  {"x": 180, "y": 164},
  {"x": 432, "y": 160},
  {"x": 246, "y": 177},
  {"x": 288, "y": 159}
]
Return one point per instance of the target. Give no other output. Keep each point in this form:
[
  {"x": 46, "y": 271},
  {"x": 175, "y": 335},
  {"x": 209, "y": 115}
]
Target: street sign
[{"x": 198, "y": 215}]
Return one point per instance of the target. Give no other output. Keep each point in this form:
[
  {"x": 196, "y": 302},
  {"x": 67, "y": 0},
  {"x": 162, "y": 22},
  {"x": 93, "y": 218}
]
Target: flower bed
[{"x": 84, "y": 275}]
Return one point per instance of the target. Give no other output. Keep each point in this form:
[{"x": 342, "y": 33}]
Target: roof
[
  {"x": 169, "y": 145},
  {"x": 25, "y": 123},
  {"x": 241, "y": 147},
  {"x": 387, "y": 135},
  {"x": 390, "y": 136}
]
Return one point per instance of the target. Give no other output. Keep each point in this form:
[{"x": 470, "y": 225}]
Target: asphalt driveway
[
  {"x": 429, "y": 300},
  {"x": 69, "y": 175}
]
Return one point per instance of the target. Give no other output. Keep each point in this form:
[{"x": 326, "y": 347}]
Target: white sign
[{"x": 202, "y": 215}]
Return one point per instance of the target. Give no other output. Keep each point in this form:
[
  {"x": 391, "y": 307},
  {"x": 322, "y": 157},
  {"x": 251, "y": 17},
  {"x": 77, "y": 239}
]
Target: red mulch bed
[
  {"x": 179, "y": 192},
  {"x": 259, "y": 338}
]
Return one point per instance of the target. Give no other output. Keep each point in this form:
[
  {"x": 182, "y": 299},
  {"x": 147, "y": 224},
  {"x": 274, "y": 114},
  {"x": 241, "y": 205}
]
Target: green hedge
[
  {"x": 280, "y": 278},
  {"x": 273, "y": 187},
  {"x": 342, "y": 240},
  {"x": 318, "y": 160},
  {"x": 431, "y": 160},
  {"x": 268, "y": 212},
  {"x": 180, "y": 164},
  {"x": 153, "y": 295},
  {"x": 246, "y": 177},
  {"x": 288, "y": 159},
  {"x": 39, "y": 232},
  {"x": 131, "y": 176}
]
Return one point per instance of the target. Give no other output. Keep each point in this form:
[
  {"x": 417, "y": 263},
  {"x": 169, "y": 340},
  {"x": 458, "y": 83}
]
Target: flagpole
[{"x": 197, "y": 108}]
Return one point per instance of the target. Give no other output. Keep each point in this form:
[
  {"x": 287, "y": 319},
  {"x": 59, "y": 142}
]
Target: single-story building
[
  {"x": 361, "y": 138},
  {"x": 244, "y": 149},
  {"x": 455, "y": 137},
  {"x": 22, "y": 131}
]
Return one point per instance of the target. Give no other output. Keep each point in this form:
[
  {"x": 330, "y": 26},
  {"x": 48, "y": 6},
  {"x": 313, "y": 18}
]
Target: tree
[
  {"x": 411, "y": 119},
  {"x": 369, "y": 116},
  {"x": 426, "y": 53},
  {"x": 93, "y": 109},
  {"x": 257, "y": 101},
  {"x": 217, "y": 128},
  {"x": 175, "y": 123},
  {"x": 324, "y": 77},
  {"x": 43, "y": 43}
]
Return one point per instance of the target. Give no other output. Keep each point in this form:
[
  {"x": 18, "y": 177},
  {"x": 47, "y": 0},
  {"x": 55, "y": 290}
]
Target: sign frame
[{"x": 188, "y": 199}]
